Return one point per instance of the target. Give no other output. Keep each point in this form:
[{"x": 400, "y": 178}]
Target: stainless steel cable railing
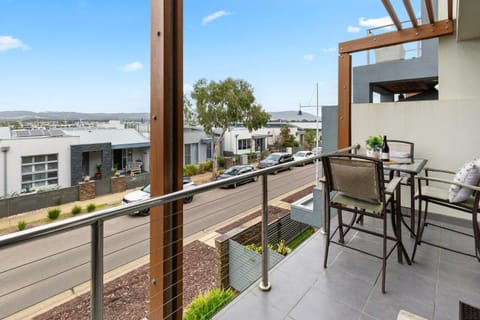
[{"x": 95, "y": 221}]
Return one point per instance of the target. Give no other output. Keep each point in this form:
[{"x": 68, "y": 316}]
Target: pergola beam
[
  {"x": 392, "y": 14},
  {"x": 428, "y": 5},
  {"x": 422, "y": 32},
  {"x": 411, "y": 14}
]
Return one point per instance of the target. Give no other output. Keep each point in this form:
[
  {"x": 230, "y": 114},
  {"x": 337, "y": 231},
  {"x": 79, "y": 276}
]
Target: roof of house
[{"x": 119, "y": 138}]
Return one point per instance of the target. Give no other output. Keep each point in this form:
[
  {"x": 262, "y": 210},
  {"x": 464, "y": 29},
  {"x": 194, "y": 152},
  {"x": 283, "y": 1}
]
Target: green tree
[
  {"x": 189, "y": 114},
  {"x": 286, "y": 139},
  {"x": 220, "y": 104},
  {"x": 310, "y": 137}
]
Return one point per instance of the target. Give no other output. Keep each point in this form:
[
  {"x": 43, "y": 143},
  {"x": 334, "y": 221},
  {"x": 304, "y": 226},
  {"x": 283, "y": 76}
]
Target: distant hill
[{"x": 62, "y": 116}]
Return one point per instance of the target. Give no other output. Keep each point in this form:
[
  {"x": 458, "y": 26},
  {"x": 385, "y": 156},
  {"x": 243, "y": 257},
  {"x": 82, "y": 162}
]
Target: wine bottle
[{"x": 385, "y": 150}]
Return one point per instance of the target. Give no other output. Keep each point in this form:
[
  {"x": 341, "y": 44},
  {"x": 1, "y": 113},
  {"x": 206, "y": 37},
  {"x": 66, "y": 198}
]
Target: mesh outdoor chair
[
  {"x": 439, "y": 194},
  {"x": 355, "y": 183}
]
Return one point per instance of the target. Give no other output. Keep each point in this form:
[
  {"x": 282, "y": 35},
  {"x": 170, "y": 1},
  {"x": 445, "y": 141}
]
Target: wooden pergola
[{"x": 417, "y": 32}]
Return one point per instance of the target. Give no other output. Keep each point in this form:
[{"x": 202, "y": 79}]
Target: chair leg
[
  {"x": 340, "y": 226},
  {"x": 384, "y": 256},
  {"x": 420, "y": 226},
  {"x": 476, "y": 233},
  {"x": 327, "y": 242}
]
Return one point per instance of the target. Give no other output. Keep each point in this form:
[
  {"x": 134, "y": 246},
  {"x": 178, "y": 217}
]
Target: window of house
[
  {"x": 244, "y": 144},
  {"x": 191, "y": 153},
  {"x": 209, "y": 151},
  {"x": 259, "y": 144},
  {"x": 39, "y": 171}
]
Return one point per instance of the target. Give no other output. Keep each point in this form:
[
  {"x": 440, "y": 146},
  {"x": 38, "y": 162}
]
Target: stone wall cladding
[
  {"x": 119, "y": 184},
  {"x": 86, "y": 190},
  {"x": 76, "y": 155}
]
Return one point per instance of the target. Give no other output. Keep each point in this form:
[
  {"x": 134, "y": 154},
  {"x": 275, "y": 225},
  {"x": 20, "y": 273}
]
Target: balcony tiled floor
[{"x": 350, "y": 288}]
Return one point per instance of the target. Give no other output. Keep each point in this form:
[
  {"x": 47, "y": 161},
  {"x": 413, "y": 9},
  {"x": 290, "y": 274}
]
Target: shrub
[
  {"x": 76, "y": 210},
  {"x": 190, "y": 170},
  {"x": 254, "y": 247},
  {"x": 21, "y": 225},
  {"x": 206, "y": 305},
  {"x": 205, "y": 167},
  {"x": 91, "y": 207},
  {"x": 221, "y": 161},
  {"x": 53, "y": 214}
]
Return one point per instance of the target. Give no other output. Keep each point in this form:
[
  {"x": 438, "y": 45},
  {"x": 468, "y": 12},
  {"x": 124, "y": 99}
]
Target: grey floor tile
[
  {"x": 460, "y": 276},
  {"x": 388, "y": 305},
  {"x": 448, "y": 298},
  {"x": 364, "y": 316},
  {"x": 345, "y": 287},
  {"x": 318, "y": 305},
  {"x": 404, "y": 280},
  {"x": 286, "y": 290},
  {"x": 358, "y": 264},
  {"x": 249, "y": 306}
]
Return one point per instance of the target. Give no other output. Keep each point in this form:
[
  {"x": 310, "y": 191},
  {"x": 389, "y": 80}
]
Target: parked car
[
  {"x": 236, "y": 171},
  {"x": 302, "y": 155},
  {"x": 144, "y": 194},
  {"x": 274, "y": 159}
]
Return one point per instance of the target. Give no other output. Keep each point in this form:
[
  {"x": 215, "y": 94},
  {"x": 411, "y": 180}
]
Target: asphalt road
[{"x": 37, "y": 270}]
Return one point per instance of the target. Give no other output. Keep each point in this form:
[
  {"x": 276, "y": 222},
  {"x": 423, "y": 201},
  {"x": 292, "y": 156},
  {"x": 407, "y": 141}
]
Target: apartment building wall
[{"x": 18, "y": 148}]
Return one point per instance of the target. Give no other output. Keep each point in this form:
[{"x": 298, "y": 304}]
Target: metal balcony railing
[{"x": 95, "y": 221}]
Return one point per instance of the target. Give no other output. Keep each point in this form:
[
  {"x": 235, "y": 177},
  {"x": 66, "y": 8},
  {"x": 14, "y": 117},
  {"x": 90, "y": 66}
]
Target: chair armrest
[
  {"x": 393, "y": 185},
  {"x": 463, "y": 185},
  {"x": 439, "y": 170}
]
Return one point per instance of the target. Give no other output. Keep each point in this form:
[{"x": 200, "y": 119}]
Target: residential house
[
  {"x": 101, "y": 150},
  {"x": 34, "y": 159}
]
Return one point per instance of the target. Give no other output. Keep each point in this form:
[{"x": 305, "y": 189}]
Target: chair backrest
[
  {"x": 355, "y": 176},
  {"x": 400, "y": 148}
]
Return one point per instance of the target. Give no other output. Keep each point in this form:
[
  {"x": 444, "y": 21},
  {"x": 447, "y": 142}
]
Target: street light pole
[{"x": 316, "y": 135}]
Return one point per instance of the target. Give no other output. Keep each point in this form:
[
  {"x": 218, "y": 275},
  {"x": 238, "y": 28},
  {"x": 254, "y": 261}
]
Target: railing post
[
  {"x": 96, "y": 296},
  {"x": 265, "y": 284}
]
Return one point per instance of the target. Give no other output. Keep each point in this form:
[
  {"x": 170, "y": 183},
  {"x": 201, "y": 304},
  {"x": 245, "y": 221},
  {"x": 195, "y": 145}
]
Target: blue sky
[{"x": 93, "y": 55}]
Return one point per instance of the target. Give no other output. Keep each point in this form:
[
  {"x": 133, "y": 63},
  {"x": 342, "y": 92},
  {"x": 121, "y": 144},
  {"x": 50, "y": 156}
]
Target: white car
[
  {"x": 144, "y": 194},
  {"x": 302, "y": 155}
]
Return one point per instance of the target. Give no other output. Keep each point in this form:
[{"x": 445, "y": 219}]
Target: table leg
[{"x": 412, "y": 206}]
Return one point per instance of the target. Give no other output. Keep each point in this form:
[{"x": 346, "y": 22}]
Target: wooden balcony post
[
  {"x": 166, "y": 158},
  {"x": 344, "y": 100}
]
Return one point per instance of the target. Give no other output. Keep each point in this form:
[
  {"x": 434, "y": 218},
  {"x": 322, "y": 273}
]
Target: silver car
[{"x": 144, "y": 194}]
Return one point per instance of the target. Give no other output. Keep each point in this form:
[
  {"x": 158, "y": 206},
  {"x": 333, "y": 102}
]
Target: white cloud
[
  {"x": 309, "y": 57},
  {"x": 330, "y": 50},
  {"x": 214, "y": 16},
  {"x": 187, "y": 87},
  {"x": 9, "y": 43},
  {"x": 373, "y": 23},
  {"x": 353, "y": 29},
  {"x": 132, "y": 67}
]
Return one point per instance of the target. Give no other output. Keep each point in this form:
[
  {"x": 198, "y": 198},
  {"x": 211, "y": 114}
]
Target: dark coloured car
[
  {"x": 274, "y": 159},
  {"x": 237, "y": 171},
  {"x": 144, "y": 194}
]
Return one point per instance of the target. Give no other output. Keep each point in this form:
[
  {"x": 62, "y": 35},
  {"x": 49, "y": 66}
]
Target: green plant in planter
[{"x": 374, "y": 143}]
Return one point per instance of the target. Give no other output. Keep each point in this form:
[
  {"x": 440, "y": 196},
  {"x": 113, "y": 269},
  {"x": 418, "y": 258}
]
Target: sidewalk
[{"x": 36, "y": 216}]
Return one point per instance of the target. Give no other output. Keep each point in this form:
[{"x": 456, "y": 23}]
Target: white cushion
[{"x": 468, "y": 174}]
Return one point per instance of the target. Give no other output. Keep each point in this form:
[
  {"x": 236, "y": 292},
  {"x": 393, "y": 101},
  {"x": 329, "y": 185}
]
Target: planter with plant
[{"x": 374, "y": 146}]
